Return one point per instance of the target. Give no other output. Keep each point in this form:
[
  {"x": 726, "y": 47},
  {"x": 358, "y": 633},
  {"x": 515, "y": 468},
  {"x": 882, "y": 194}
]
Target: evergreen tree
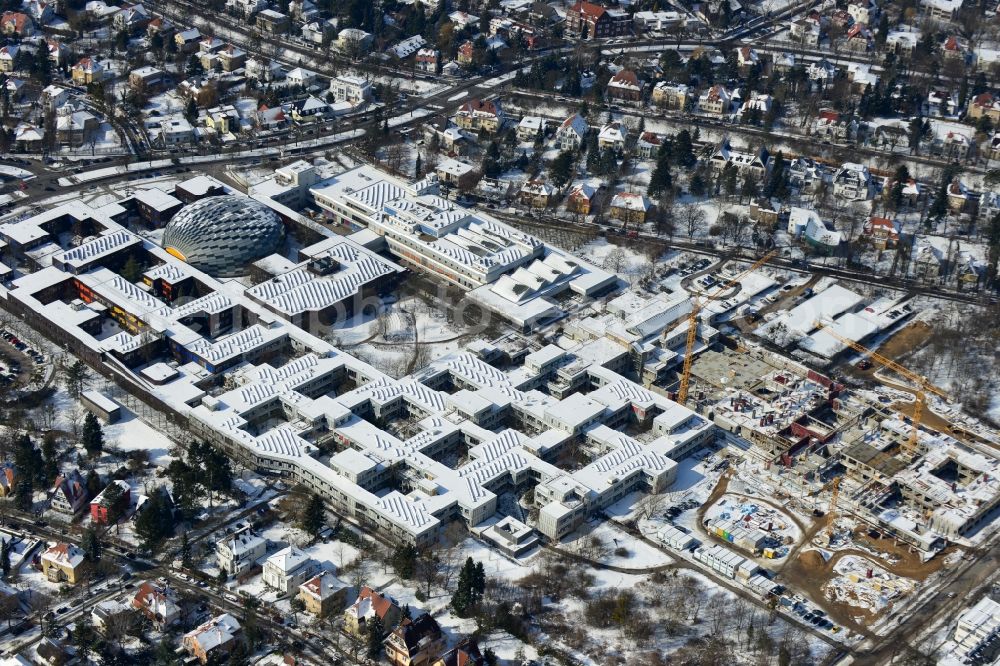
[
  {"x": 660, "y": 180},
  {"x": 404, "y": 560},
  {"x": 461, "y": 600},
  {"x": 84, "y": 637},
  {"x": 478, "y": 582},
  {"x": 314, "y": 516},
  {"x": 5, "y": 558},
  {"x": 777, "y": 183},
  {"x": 683, "y": 149},
  {"x": 92, "y": 437},
  {"x": 561, "y": 169},
  {"x": 131, "y": 271},
  {"x": 90, "y": 544},
  {"x": 23, "y": 495},
  {"x": 419, "y": 166},
  {"x": 375, "y": 633},
  {"x": 156, "y": 520},
  {"x": 185, "y": 550},
  {"x": 94, "y": 484},
  {"x": 51, "y": 458}
]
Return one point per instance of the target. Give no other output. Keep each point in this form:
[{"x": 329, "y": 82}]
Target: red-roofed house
[
  {"x": 589, "y": 20},
  {"x": 480, "y": 115},
  {"x": 648, "y": 145},
  {"x": 630, "y": 207},
  {"x": 368, "y": 605},
  {"x": 157, "y": 604},
  {"x": 465, "y": 53},
  {"x": 580, "y": 199},
  {"x": 87, "y": 70},
  {"x": 8, "y": 477},
  {"x": 625, "y": 85},
  {"x": 16, "y": 23},
  {"x": 985, "y": 105},
  {"x": 882, "y": 232},
  {"x": 465, "y": 653}
]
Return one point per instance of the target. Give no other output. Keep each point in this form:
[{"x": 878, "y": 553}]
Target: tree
[
  {"x": 90, "y": 544},
  {"x": 403, "y": 561},
  {"x": 375, "y": 634},
  {"x": 76, "y": 379},
  {"x": 131, "y": 271},
  {"x": 155, "y": 520},
  {"x": 92, "y": 437},
  {"x": 561, "y": 169},
  {"x": 683, "y": 150},
  {"x": 185, "y": 551},
  {"x": 470, "y": 589},
  {"x": 23, "y": 495},
  {"x": 916, "y": 131},
  {"x": 51, "y": 458},
  {"x": 660, "y": 180},
  {"x": 314, "y": 516},
  {"x": 84, "y": 637},
  {"x": 5, "y": 558},
  {"x": 692, "y": 218}
]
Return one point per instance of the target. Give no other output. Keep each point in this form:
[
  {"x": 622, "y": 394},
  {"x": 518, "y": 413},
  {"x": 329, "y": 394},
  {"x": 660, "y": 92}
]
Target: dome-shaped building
[{"x": 223, "y": 235}]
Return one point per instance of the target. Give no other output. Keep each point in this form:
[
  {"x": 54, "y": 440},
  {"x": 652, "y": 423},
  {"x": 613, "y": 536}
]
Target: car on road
[{"x": 61, "y": 610}]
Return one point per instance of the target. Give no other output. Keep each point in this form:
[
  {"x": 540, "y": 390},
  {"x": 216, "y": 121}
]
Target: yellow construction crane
[
  {"x": 692, "y": 332},
  {"x": 920, "y": 386}
]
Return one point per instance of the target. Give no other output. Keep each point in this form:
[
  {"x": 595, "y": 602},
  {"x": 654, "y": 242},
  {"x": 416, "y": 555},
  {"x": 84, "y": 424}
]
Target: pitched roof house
[{"x": 368, "y": 605}]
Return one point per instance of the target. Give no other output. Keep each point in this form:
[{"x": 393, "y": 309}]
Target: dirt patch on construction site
[
  {"x": 908, "y": 563},
  {"x": 717, "y": 492},
  {"x": 912, "y": 336}
]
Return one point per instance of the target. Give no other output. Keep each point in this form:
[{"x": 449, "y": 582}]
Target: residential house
[
  {"x": 890, "y": 136},
  {"x": 580, "y": 199},
  {"x": 466, "y": 53},
  {"x": 15, "y": 89},
  {"x": 530, "y": 128},
  {"x": 953, "y": 49},
  {"x": 75, "y": 126},
  {"x": 349, "y": 88},
  {"x": 804, "y": 174},
  {"x": 301, "y": 77},
  {"x": 928, "y": 261},
  {"x": 902, "y": 41},
  {"x": 478, "y": 115},
  {"x": 648, "y": 146},
  {"x": 160, "y": 26},
  {"x": 86, "y": 71},
  {"x": 821, "y": 73},
  {"x": 63, "y": 562},
  {"x": 646, "y": 21},
  {"x": 960, "y": 199},
  {"x": 852, "y": 182},
  {"x": 132, "y": 19},
  {"x": 756, "y": 107},
  {"x": 210, "y": 44},
  {"x": 674, "y": 96},
  {"x": 942, "y": 10},
  {"x": 764, "y": 211},
  {"x": 273, "y": 22},
  {"x": 232, "y": 58},
  {"x": 881, "y": 232},
  {"x": 323, "y": 594},
  {"x": 317, "y": 32},
  {"x": 572, "y": 132},
  {"x": 995, "y": 146},
  {"x": 989, "y": 206},
  {"x": 307, "y": 109},
  {"x": 861, "y": 76},
  {"x": 187, "y": 41},
  {"x": 449, "y": 138},
  {"x": 466, "y": 653},
  {"x": 111, "y": 502},
  {"x": 57, "y": 52},
  {"x": 367, "y": 606},
  {"x": 630, "y": 208},
  {"x": 941, "y": 103},
  {"x": 985, "y": 104},
  {"x": 784, "y": 62},
  {"x": 612, "y": 136},
  {"x": 263, "y": 70},
  {"x": 715, "y": 101},
  {"x": 240, "y": 551},
  {"x": 41, "y": 12},
  {"x": 69, "y": 494},
  {"x": 830, "y": 126},
  {"x": 591, "y": 21},
  {"x": 536, "y": 194},
  {"x": 862, "y": 11},
  {"x": 245, "y": 8},
  {"x": 52, "y": 653},
  {"x": 625, "y": 86},
  {"x": 463, "y": 19},
  {"x": 755, "y": 162},
  {"x": 952, "y": 145},
  {"x": 7, "y": 56},
  {"x": 213, "y": 640},
  {"x": 746, "y": 59},
  {"x": 821, "y": 237},
  {"x": 157, "y": 604},
  {"x": 222, "y": 120},
  {"x": 427, "y": 60},
  {"x": 798, "y": 220},
  {"x": 457, "y": 174},
  {"x": 175, "y": 131},
  {"x": 16, "y": 24},
  {"x": 353, "y": 41},
  {"x": 107, "y": 612},
  {"x": 417, "y": 642},
  {"x": 147, "y": 78},
  {"x": 8, "y": 478},
  {"x": 287, "y": 569},
  {"x": 858, "y": 39},
  {"x": 268, "y": 118},
  {"x": 805, "y": 31}
]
